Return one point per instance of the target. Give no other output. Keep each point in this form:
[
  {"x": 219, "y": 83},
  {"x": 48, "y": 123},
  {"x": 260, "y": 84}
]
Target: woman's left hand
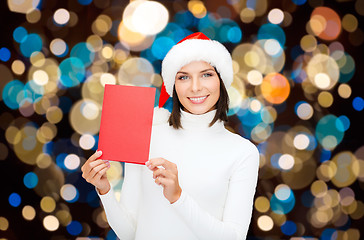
[{"x": 166, "y": 176}]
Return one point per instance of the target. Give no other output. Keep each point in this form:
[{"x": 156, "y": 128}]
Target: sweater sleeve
[
  {"x": 122, "y": 215},
  {"x": 238, "y": 205}
]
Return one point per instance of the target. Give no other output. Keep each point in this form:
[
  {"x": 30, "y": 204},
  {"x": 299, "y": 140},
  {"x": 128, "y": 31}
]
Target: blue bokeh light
[
  {"x": 299, "y": 2},
  {"x": 307, "y": 199},
  {"x": 30, "y": 180},
  {"x": 10, "y": 93},
  {"x": 343, "y": 123},
  {"x": 84, "y": 52},
  {"x": 289, "y": 228},
  {"x": 71, "y": 72},
  {"x": 283, "y": 206},
  {"x": 31, "y": 43},
  {"x": 19, "y": 34},
  {"x": 84, "y": 2},
  {"x": 4, "y": 54},
  {"x": 161, "y": 46},
  {"x": 272, "y": 31},
  {"x": 74, "y": 228},
  {"x": 358, "y": 104},
  {"x": 328, "y": 131},
  {"x": 14, "y": 199}
]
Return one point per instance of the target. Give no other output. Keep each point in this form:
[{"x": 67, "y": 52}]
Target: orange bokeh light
[
  {"x": 275, "y": 88},
  {"x": 325, "y": 23}
]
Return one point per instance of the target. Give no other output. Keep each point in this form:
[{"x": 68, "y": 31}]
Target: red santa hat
[{"x": 195, "y": 47}]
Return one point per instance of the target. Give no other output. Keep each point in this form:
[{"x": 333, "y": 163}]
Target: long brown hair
[{"x": 222, "y": 107}]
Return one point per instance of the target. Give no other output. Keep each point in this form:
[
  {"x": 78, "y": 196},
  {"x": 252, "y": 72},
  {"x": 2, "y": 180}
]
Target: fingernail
[
  {"x": 147, "y": 163},
  {"x": 107, "y": 162},
  {"x": 99, "y": 152}
]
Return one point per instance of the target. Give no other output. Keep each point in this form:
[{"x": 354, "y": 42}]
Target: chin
[{"x": 198, "y": 110}]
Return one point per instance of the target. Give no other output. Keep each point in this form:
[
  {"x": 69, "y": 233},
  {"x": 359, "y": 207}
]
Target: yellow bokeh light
[
  {"x": 345, "y": 175},
  {"x": 262, "y": 204},
  {"x": 197, "y": 8},
  {"x": 325, "y": 99},
  {"x": 23, "y": 6},
  {"x": 350, "y": 23},
  {"x": 47, "y": 204},
  {"x": 51, "y": 223},
  {"x": 255, "y": 77},
  {"x": 247, "y": 15},
  {"x": 33, "y": 16},
  {"x": 18, "y": 67},
  {"x": 265, "y": 223},
  {"x": 145, "y": 17},
  {"x": 318, "y": 188},
  {"x": 37, "y": 59},
  {"x": 40, "y": 77},
  {"x": 107, "y": 52},
  {"x": 85, "y": 116},
  {"x": 323, "y": 71},
  {"x": 308, "y": 43},
  {"x": 4, "y": 224},
  {"x": 326, "y": 171},
  {"x": 107, "y": 78},
  {"x": 133, "y": 40},
  {"x": 344, "y": 90},
  {"x": 54, "y": 114},
  {"x": 28, "y": 212}
]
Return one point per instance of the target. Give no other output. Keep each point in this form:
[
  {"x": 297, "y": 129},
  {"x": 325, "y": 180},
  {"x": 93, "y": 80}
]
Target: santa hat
[{"x": 195, "y": 47}]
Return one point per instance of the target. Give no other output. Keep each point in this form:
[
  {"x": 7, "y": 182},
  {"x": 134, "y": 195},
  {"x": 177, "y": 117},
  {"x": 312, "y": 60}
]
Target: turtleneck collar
[{"x": 191, "y": 121}]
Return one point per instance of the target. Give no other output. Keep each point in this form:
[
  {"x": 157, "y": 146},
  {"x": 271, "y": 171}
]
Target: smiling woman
[
  {"x": 198, "y": 87},
  {"x": 200, "y": 179}
]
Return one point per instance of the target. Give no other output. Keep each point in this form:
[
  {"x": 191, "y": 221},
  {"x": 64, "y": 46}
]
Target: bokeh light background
[{"x": 297, "y": 94}]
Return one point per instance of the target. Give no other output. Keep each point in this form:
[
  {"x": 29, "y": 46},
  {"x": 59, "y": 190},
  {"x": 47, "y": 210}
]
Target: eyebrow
[{"x": 206, "y": 70}]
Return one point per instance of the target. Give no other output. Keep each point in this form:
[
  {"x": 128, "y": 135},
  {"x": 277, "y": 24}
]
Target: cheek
[{"x": 215, "y": 87}]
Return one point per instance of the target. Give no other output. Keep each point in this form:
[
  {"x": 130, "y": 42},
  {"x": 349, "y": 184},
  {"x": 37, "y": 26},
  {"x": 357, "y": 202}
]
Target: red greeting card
[{"x": 126, "y": 123}]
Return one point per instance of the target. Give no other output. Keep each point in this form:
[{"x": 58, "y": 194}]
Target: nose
[{"x": 196, "y": 84}]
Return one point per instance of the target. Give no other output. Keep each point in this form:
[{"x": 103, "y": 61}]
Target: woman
[{"x": 200, "y": 180}]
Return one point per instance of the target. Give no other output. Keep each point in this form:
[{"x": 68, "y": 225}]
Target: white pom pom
[{"x": 160, "y": 116}]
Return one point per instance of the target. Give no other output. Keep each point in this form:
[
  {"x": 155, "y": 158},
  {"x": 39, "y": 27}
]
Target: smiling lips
[{"x": 197, "y": 100}]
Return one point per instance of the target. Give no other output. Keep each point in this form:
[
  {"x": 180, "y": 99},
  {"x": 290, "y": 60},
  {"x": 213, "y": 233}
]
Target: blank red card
[{"x": 126, "y": 123}]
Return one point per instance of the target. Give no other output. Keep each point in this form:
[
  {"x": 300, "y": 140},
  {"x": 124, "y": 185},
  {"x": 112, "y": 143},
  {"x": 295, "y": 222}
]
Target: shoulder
[
  {"x": 244, "y": 150},
  {"x": 240, "y": 142}
]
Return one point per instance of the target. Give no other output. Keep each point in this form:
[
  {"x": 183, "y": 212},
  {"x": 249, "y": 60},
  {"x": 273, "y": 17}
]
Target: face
[{"x": 198, "y": 87}]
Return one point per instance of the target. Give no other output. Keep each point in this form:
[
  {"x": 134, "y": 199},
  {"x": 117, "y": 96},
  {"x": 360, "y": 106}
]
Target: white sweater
[{"x": 217, "y": 171}]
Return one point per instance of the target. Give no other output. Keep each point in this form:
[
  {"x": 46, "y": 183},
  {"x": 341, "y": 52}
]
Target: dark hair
[{"x": 222, "y": 107}]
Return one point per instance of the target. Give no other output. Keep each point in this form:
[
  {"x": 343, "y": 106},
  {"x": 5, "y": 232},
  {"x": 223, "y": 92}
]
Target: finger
[
  {"x": 95, "y": 171},
  {"x": 160, "y": 172},
  {"x": 94, "y": 156},
  {"x": 101, "y": 173},
  {"x": 156, "y": 162},
  {"x": 87, "y": 167},
  {"x": 162, "y": 181}
]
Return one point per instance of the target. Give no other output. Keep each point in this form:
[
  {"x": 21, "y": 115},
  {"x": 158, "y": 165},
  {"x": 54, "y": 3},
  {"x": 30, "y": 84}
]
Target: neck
[{"x": 197, "y": 122}]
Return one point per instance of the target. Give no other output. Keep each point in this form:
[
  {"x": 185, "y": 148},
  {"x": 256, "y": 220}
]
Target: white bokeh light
[
  {"x": 72, "y": 161},
  {"x": 145, "y": 17},
  {"x": 301, "y": 141}
]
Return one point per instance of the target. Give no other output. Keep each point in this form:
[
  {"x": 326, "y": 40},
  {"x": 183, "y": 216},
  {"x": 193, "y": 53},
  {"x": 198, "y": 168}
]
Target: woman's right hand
[{"x": 94, "y": 172}]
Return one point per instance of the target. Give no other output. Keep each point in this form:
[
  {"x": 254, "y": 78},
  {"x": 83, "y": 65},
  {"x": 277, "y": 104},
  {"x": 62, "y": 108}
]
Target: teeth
[{"x": 198, "y": 99}]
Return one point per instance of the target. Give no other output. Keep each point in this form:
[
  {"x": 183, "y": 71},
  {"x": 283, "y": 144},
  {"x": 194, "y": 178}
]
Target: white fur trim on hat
[
  {"x": 160, "y": 115},
  {"x": 191, "y": 50}
]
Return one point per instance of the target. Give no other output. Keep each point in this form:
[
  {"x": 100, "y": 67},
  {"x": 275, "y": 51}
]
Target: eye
[
  {"x": 182, "y": 77},
  {"x": 207, "y": 75}
]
